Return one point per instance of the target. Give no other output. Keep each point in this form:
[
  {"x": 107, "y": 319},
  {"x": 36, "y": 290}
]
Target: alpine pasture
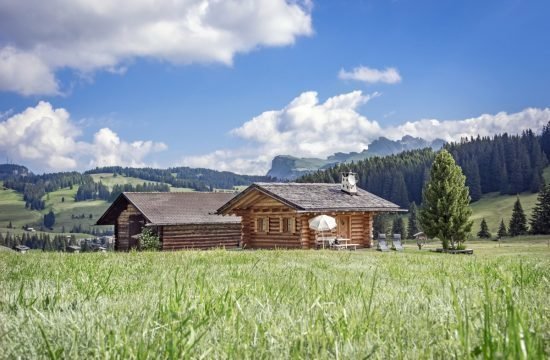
[{"x": 284, "y": 304}]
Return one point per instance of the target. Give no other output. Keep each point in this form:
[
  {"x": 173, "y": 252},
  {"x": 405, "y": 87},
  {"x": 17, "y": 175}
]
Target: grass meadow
[{"x": 279, "y": 304}]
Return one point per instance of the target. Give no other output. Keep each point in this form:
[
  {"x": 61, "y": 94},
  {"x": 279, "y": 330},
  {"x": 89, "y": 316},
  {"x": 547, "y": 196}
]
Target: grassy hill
[
  {"x": 68, "y": 212},
  {"x": 110, "y": 180},
  {"x": 13, "y": 209},
  {"x": 494, "y": 207}
]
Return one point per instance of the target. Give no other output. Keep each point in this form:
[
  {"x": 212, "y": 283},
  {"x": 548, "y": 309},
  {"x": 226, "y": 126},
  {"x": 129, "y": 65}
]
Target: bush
[{"x": 149, "y": 241}]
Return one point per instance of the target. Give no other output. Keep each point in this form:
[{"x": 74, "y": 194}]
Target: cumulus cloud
[
  {"x": 39, "y": 37},
  {"x": 307, "y": 127},
  {"x": 370, "y": 76},
  {"x": 109, "y": 150},
  {"x": 484, "y": 125},
  {"x": 47, "y": 139}
]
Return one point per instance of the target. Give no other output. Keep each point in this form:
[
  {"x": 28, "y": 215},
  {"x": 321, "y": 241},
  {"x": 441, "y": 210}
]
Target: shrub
[{"x": 149, "y": 241}]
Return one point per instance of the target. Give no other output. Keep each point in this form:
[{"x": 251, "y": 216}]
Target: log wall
[
  {"x": 200, "y": 236},
  {"x": 360, "y": 228},
  {"x": 122, "y": 228}
]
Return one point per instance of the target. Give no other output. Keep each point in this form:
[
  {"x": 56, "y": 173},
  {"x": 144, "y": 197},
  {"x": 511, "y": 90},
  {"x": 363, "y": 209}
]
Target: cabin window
[
  {"x": 262, "y": 224},
  {"x": 287, "y": 225}
]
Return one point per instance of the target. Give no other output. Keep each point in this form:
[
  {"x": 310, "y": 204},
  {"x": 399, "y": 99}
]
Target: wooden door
[
  {"x": 135, "y": 226},
  {"x": 343, "y": 226}
]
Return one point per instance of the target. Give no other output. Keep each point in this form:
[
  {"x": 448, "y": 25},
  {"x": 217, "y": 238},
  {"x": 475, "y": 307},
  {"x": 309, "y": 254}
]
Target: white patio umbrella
[{"x": 322, "y": 223}]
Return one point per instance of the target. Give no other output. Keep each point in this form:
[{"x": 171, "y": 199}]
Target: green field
[
  {"x": 12, "y": 208},
  {"x": 109, "y": 180},
  {"x": 278, "y": 304},
  {"x": 494, "y": 207}
]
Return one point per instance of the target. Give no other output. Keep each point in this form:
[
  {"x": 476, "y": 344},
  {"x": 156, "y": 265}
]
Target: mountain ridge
[{"x": 288, "y": 167}]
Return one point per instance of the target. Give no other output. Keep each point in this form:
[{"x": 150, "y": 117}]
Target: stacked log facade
[
  {"x": 122, "y": 228},
  {"x": 302, "y": 237},
  {"x": 201, "y": 236}
]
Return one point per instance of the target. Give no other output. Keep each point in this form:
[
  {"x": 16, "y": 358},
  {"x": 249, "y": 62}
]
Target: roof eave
[{"x": 352, "y": 210}]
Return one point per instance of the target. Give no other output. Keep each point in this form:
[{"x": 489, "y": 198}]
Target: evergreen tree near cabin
[
  {"x": 49, "y": 219},
  {"x": 380, "y": 224},
  {"x": 502, "y": 232},
  {"x": 484, "y": 230},
  {"x": 540, "y": 219},
  {"x": 518, "y": 222},
  {"x": 445, "y": 211},
  {"x": 398, "y": 227},
  {"x": 412, "y": 226}
]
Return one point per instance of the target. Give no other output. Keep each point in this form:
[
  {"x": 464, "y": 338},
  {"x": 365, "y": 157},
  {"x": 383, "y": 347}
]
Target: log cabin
[
  {"x": 182, "y": 220},
  {"x": 276, "y": 215}
]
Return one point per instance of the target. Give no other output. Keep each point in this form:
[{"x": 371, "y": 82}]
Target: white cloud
[
  {"x": 109, "y": 150},
  {"x": 40, "y": 37},
  {"x": 368, "y": 75},
  {"x": 25, "y": 73},
  {"x": 45, "y": 138},
  {"x": 484, "y": 125},
  {"x": 308, "y": 128},
  {"x": 305, "y": 127}
]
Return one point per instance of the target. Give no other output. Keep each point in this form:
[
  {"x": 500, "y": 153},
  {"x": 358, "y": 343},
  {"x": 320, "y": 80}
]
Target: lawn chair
[
  {"x": 382, "y": 245},
  {"x": 396, "y": 243}
]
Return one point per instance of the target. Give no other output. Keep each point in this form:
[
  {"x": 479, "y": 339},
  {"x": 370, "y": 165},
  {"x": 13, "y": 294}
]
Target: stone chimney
[{"x": 349, "y": 182}]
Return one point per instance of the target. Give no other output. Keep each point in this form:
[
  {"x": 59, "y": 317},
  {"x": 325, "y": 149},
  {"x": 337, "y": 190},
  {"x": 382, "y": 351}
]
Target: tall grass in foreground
[{"x": 275, "y": 304}]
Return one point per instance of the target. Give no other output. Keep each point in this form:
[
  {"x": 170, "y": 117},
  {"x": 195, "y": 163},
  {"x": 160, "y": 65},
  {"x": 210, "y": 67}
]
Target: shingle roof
[
  {"x": 179, "y": 208},
  {"x": 318, "y": 197}
]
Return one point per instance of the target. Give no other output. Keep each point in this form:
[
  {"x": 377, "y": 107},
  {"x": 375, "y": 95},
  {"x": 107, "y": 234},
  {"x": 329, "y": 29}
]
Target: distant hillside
[
  {"x": 7, "y": 170},
  {"x": 184, "y": 177},
  {"x": 288, "y": 167},
  {"x": 507, "y": 164}
]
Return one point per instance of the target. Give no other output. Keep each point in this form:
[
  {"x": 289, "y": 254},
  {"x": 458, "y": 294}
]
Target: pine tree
[
  {"x": 484, "y": 230},
  {"x": 380, "y": 225},
  {"x": 540, "y": 219},
  {"x": 49, "y": 219},
  {"x": 445, "y": 211},
  {"x": 502, "y": 232},
  {"x": 518, "y": 222},
  {"x": 471, "y": 171},
  {"x": 398, "y": 227},
  {"x": 412, "y": 226},
  {"x": 545, "y": 140}
]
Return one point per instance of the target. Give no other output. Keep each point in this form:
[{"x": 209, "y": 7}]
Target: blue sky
[{"x": 232, "y": 110}]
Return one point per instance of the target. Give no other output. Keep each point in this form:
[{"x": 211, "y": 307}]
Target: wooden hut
[
  {"x": 182, "y": 220},
  {"x": 277, "y": 214}
]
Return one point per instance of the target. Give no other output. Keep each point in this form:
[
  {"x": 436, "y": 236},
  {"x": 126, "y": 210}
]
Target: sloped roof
[
  {"x": 316, "y": 197},
  {"x": 177, "y": 208}
]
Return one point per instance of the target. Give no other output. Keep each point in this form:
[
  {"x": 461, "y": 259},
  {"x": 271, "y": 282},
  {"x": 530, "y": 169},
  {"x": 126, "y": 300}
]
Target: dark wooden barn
[
  {"x": 276, "y": 215},
  {"x": 182, "y": 220}
]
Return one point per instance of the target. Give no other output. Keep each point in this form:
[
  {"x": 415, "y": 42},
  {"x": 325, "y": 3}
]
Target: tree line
[
  {"x": 46, "y": 242},
  {"x": 35, "y": 187},
  {"x": 509, "y": 164},
  {"x": 185, "y": 177},
  {"x": 98, "y": 191}
]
